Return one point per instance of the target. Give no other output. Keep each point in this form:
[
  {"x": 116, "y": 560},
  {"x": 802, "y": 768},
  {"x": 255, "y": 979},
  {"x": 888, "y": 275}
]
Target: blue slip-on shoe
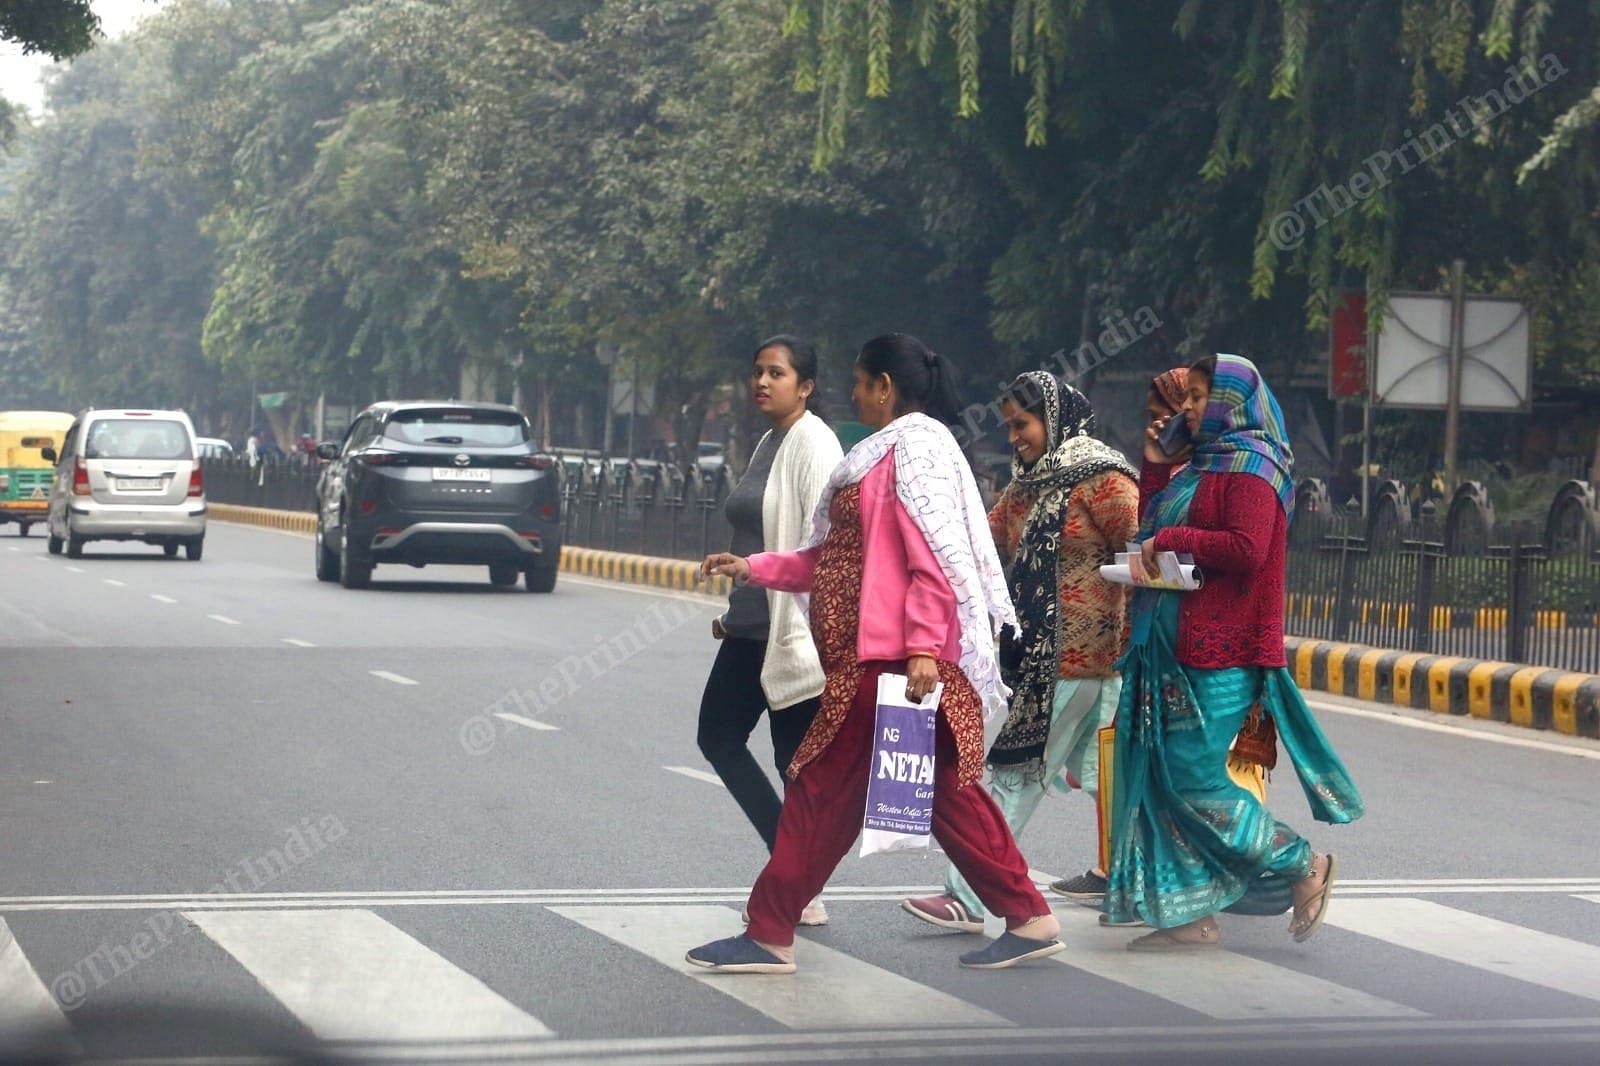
[
  {"x": 1008, "y": 949},
  {"x": 738, "y": 954}
]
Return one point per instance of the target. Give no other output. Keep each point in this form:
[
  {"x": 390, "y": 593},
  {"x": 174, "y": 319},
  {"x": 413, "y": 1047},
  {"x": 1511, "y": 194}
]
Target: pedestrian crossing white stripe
[
  {"x": 1219, "y": 984},
  {"x": 26, "y": 1005},
  {"x": 1542, "y": 959},
  {"x": 832, "y": 990},
  {"x": 350, "y": 975}
]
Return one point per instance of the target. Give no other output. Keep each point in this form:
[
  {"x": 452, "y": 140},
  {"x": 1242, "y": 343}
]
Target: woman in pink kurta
[{"x": 903, "y": 579}]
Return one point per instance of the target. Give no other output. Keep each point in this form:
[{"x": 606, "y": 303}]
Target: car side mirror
[
  {"x": 327, "y": 451},
  {"x": 48, "y": 454}
]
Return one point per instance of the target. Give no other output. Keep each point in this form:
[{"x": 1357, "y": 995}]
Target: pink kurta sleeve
[{"x": 784, "y": 571}]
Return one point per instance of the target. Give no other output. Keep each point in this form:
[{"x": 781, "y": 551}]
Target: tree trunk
[{"x": 546, "y": 388}]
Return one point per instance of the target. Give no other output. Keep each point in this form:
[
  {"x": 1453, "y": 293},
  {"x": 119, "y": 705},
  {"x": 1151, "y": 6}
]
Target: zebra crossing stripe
[
  {"x": 832, "y": 990},
  {"x": 350, "y": 975},
  {"x": 1218, "y": 984},
  {"x": 1542, "y": 959},
  {"x": 28, "y": 1012}
]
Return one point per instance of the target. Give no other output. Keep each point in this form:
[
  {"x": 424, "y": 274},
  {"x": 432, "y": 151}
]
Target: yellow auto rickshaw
[{"x": 25, "y": 475}]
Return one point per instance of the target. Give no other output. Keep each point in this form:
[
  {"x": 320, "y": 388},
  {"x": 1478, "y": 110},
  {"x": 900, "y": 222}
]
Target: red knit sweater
[{"x": 1237, "y": 533}]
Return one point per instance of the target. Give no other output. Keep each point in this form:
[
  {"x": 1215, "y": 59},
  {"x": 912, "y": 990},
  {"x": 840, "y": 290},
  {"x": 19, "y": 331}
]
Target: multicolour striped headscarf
[{"x": 1243, "y": 431}]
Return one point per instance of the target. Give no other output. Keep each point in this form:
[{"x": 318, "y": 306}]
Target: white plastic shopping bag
[{"x": 899, "y": 813}]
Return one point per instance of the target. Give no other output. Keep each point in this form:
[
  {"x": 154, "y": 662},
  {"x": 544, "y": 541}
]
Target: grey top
[{"x": 747, "y": 605}]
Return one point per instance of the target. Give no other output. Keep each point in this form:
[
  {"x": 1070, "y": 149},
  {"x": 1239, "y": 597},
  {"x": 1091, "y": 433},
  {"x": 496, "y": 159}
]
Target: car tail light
[
  {"x": 541, "y": 462},
  {"x": 530, "y": 534},
  {"x": 80, "y": 478},
  {"x": 388, "y": 532},
  {"x": 381, "y": 458},
  {"x": 548, "y": 510},
  {"x": 197, "y": 485},
  {"x": 368, "y": 506}
]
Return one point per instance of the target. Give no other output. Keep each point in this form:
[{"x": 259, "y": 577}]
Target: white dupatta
[{"x": 936, "y": 487}]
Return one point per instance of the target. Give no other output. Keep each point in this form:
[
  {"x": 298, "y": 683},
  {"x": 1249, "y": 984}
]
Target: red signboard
[{"x": 1347, "y": 358}]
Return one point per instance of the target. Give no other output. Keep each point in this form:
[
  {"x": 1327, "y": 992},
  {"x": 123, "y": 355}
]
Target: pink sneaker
[{"x": 946, "y": 912}]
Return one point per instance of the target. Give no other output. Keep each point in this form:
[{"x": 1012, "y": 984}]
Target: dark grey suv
[{"x": 423, "y": 482}]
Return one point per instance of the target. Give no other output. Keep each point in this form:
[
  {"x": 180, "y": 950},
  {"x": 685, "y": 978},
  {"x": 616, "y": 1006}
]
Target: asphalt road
[{"x": 246, "y": 816}]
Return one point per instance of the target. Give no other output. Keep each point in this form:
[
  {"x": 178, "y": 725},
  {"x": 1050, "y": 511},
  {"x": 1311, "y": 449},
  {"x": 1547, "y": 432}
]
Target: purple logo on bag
[{"x": 900, "y": 791}]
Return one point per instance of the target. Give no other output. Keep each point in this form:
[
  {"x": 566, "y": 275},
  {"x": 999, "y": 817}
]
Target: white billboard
[{"x": 1411, "y": 365}]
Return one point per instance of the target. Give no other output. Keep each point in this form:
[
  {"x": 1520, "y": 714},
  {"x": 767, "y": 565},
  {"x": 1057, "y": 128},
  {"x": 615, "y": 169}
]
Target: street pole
[
  {"x": 1452, "y": 411},
  {"x": 633, "y": 406},
  {"x": 1369, "y": 360}
]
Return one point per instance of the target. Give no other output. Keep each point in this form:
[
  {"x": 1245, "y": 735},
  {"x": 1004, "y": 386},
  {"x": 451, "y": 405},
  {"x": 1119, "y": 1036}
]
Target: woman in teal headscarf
[{"x": 1187, "y": 842}]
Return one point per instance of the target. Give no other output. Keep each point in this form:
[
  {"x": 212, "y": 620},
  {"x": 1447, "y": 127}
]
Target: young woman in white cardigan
[{"x": 767, "y": 658}]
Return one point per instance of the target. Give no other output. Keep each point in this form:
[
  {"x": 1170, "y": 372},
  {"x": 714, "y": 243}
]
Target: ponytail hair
[{"x": 922, "y": 378}]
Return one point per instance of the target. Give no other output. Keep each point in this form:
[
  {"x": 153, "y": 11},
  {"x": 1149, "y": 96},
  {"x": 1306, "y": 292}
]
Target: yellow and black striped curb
[
  {"x": 590, "y": 562},
  {"x": 1533, "y": 696},
  {"x": 641, "y": 570},
  {"x": 293, "y": 521}
]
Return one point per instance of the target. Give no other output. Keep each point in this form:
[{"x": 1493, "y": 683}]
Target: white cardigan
[{"x": 810, "y": 451}]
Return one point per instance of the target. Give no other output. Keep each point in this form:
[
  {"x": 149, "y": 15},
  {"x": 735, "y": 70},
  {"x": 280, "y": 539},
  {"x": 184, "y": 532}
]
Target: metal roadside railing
[{"x": 1455, "y": 583}]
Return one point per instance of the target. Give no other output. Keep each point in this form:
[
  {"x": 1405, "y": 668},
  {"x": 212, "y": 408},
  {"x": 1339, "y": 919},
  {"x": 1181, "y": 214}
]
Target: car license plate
[
  {"x": 138, "y": 484},
  {"x": 451, "y": 473}
]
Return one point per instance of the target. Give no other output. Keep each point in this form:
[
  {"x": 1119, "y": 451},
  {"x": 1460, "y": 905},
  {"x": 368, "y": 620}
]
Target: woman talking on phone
[
  {"x": 1187, "y": 841},
  {"x": 904, "y": 579},
  {"x": 767, "y": 661}
]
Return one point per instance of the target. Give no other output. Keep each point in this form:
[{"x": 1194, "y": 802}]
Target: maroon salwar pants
[{"x": 822, "y": 814}]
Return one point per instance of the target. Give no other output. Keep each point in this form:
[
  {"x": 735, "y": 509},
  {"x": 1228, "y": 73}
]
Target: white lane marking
[
  {"x": 698, "y": 775},
  {"x": 1453, "y": 730},
  {"x": 162, "y": 599},
  {"x": 26, "y": 1005},
  {"x": 831, "y": 990},
  {"x": 75, "y": 569},
  {"x": 41, "y": 558},
  {"x": 1219, "y": 984},
  {"x": 298, "y": 643},
  {"x": 14, "y": 548},
  {"x": 398, "y": 679},
  {"x": 1542, "y": 959},
  {"x": 224, "y": 619},
  {"x": 350, "y": 975},
  {"x": 114, "y": 582},
  {"x": 529, "y": 722}
]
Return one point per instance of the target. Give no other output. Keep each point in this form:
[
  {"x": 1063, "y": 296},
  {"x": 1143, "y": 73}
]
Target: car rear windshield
[
  {"x": 458, "y": 429},
  {"x": 137, "y": 438}
]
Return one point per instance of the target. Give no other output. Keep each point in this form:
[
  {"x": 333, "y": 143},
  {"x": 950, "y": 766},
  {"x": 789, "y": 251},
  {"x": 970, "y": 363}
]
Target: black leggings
[{"x": 729, "y": 709}]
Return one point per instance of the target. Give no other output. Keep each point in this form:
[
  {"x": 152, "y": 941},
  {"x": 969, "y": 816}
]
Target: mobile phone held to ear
[{"x": 1174, "y": 436}]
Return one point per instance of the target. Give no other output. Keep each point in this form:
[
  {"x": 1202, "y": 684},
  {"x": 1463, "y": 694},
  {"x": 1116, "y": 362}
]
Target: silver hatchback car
[{"x": 128, "y": 475}]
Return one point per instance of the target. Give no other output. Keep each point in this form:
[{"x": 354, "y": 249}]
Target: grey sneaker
[{"x": 1086, "y": 887}]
